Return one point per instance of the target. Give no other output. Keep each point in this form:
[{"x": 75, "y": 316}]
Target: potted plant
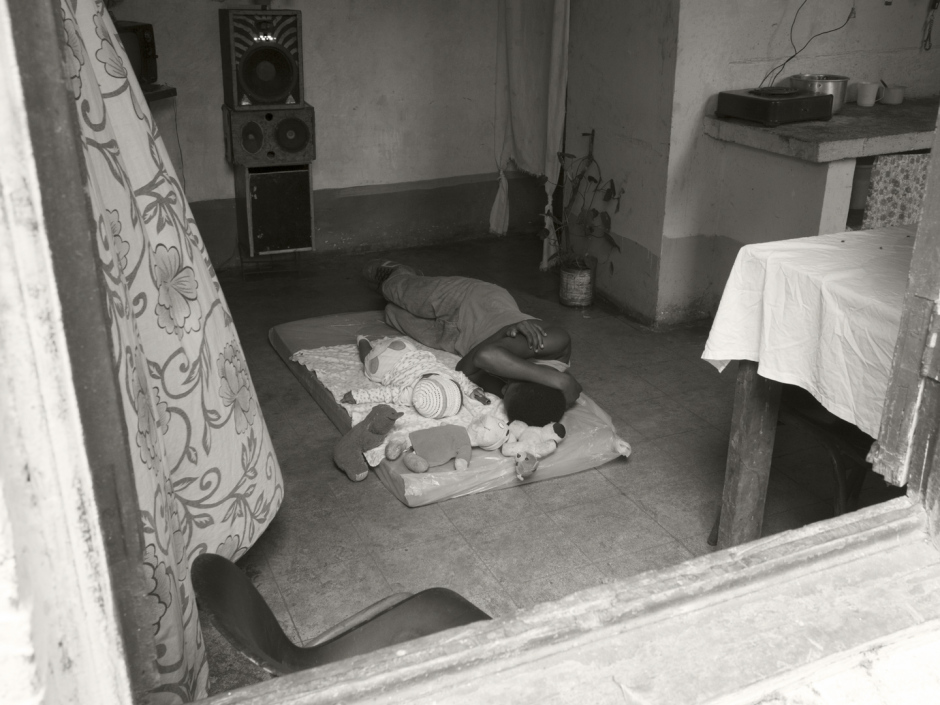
[{"x": 585, "y": 213}]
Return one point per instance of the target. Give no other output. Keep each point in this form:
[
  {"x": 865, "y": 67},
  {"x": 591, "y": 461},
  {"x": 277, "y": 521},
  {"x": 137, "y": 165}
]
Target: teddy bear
[
  {"x": 367, "y": 434},
  {"x": 538, "y": 441},
  {"x": 430, "y": 447}
]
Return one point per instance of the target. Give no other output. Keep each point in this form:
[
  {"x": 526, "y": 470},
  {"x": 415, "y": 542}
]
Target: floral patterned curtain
[{"x": 206, "y": 474}]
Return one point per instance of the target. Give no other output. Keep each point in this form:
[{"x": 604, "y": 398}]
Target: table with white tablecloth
[{"x": 821, "y": 313}]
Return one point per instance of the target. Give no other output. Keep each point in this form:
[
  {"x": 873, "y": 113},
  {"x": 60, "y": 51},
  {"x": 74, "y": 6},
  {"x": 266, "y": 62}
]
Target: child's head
[{"x": 532, "y": 403}]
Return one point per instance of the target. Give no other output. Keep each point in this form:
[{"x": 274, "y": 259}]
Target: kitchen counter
[
  {"x": 796, "y": 180},
  {"x": 854, "y": 132}
]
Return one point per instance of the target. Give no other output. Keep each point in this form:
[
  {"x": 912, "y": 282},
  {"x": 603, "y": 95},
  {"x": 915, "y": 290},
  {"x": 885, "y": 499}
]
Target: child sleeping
[{"x": 405, "y": 372}]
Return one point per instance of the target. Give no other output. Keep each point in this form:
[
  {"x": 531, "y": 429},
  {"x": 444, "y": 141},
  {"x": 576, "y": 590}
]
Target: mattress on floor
[{"x": 591, "y": 438}]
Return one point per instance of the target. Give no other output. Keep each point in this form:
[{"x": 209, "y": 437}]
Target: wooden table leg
[{"x": 753, "y": 426}]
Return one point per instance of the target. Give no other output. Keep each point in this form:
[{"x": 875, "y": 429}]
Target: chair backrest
[
  {"x": 896, "y": 197},
  {"x": 242, "y": 615}
]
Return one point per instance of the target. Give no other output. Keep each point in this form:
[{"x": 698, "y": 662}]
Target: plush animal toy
[
  {"x": 365, "y": 435},
  {"x": 526, "y": 464},
  {"x": 532, "y": 439},
  {"x": 430, "y": 447}
]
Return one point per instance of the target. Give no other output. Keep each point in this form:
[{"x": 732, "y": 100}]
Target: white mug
[
  {"x": 868, "y": 94},
  {"x": 893, "y": 95}
]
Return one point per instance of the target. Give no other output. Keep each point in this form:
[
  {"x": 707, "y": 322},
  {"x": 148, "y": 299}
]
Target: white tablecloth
[{"x": 819, "y": 312}]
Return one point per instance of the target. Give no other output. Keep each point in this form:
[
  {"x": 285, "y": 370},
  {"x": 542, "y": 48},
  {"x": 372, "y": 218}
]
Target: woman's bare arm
[{"x": 508, "y": 354}]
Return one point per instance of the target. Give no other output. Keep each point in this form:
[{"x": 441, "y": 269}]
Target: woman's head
[{"x": 533, "y": 404}]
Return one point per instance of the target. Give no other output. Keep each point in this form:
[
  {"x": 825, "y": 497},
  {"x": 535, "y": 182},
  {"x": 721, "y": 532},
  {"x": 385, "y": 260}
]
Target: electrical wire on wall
[{"x": 778, "y": 69}]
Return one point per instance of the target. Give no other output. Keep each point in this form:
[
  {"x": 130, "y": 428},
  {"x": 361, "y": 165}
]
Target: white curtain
[
  {"x": 531, "y": 78},
  {"x": 205, "y": 470}
]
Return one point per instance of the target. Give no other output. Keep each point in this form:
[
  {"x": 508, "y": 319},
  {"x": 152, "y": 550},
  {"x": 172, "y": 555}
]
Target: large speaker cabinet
[
  {"x": 262, "y": 58},
  {"x": 274, "y": 208},
  {"x": 270, "y": 137}
]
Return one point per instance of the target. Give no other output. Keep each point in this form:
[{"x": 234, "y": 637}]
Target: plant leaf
[
  {"x": 610, "y": 192},
  {"x": 605, "y": 221},
  {"x": 591, "y": 179}
]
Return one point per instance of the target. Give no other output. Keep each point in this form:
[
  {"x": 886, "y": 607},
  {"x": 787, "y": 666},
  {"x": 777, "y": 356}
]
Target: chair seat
[{"x": 242, "y": 616}]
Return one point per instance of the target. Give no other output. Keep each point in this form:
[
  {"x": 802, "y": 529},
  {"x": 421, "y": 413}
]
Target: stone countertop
[{"x": 853, "y": 132}]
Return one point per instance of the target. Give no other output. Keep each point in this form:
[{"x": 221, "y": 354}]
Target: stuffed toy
[
  {"x": 367, "y": 434},
  {"x": 526, "y": 464},
  {"x": 539, "y": 441},
  {"x": 430, "y": 447}
]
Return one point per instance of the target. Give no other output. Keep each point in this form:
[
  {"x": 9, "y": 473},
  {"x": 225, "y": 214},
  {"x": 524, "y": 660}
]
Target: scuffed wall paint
[
  {"x": 731, "y": 45},
  {"x": 403, "y": 90}
]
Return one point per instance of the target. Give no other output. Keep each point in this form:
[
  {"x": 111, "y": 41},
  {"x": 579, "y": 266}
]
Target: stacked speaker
[{"x": 270, "y": 132}]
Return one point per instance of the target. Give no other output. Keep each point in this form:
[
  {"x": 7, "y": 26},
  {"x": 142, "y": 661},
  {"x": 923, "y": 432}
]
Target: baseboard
[{"x": 388, "y": 216}]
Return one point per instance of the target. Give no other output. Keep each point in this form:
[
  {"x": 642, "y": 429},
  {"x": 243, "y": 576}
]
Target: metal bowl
[{"x": 823, "y": 83}]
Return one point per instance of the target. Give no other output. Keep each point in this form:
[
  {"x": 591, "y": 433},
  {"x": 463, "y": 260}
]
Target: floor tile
[
  {"x": 525, "y": 550},
  {"x": 529, "y": 593},
  {"x": 476, "y": 511},
  {"x": 449, "y": 562},
  {"x": 662, "y": 555},
  {"x": 393, "y": 525},
  {"x": 320, "y": 597},
  {"x": 659, "y": 416},
  {"x": 581, "y": 488},
  {"x": 609, "y": 527}
]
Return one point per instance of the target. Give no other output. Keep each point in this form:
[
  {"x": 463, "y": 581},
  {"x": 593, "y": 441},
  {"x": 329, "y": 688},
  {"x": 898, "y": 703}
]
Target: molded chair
[{"x": 243, "y": 617}]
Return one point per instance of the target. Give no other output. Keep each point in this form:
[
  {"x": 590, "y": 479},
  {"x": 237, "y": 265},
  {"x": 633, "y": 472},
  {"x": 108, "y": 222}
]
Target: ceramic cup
[
  {"x": 893, "y": 95},
  {"x": 868, "y": 94}
]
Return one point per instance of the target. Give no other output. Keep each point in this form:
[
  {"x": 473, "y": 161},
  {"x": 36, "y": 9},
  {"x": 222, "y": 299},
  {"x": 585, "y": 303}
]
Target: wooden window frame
[{"x": 91, "y": 580}]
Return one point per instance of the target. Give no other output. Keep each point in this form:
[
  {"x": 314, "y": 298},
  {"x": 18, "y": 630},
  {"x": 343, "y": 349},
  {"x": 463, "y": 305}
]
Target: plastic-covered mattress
[{"x": 591, "y": 438}]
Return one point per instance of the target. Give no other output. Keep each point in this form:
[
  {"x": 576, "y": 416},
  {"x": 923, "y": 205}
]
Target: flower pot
[{"x": 577, "y": 283}]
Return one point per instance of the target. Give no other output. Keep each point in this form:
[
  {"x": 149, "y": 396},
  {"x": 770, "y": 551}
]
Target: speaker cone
[
  {"x": 292, "y": 134},
  {"x": 252, "y": 137},
  {"x": 267, "y": 73}
]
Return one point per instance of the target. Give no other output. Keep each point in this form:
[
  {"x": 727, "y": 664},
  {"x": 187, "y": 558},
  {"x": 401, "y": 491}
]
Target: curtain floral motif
[{"x": 206, "y": 474}]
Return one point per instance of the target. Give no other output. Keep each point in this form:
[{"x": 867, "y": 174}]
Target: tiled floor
[{"x": 337, "y": 546}]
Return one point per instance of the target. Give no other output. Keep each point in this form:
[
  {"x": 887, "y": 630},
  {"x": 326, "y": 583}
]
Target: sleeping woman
[{"x": 504, "y": 351}]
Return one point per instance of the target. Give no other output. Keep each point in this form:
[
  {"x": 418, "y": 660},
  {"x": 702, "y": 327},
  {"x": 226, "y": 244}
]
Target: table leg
[
  {"x": 753, "y": 426},
  {"x": 836, "y": 196}
]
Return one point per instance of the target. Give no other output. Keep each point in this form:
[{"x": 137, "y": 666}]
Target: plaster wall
[
  {"x": 621, "y": 66},
  {"x": 725, "y": 45},
  {"x": 403, "y": 89}
]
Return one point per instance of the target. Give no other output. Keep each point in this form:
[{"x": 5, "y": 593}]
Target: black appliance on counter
[{"x": 774, "y": 105}]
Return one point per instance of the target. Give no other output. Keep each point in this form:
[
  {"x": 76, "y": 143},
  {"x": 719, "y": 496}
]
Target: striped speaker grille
[{"x": 251, "y": 29}]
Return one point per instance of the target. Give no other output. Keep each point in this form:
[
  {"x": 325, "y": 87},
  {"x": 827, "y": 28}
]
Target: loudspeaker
[
  {"x": 262, "y": 61},
  {"x": 274, "y": 209},
  {"x": 269, "y": 137}
]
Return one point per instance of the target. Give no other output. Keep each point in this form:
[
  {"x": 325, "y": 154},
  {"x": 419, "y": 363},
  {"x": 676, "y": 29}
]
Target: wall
[
  {"x": 731, "y": 45},
  {"x": 403, "y": 90},
  {"x": 621, "y": 65},
  {"x": 404, "y": 97}
]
